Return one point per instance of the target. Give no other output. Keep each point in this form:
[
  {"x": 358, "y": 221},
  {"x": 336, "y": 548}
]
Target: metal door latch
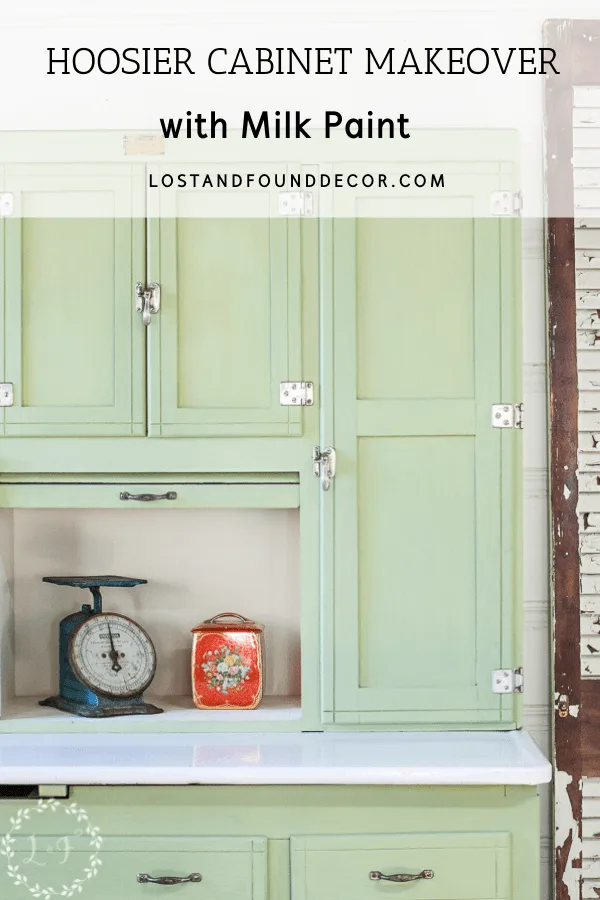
[
  {"x": 147, "y": 300},
  {"x": 296, "y": 393},
  {"x": 563, "y": 706},
  {"x": 507, "y": 681},
  {"x": 324, "y": 465},
  {"x": 507, "y": 415}
]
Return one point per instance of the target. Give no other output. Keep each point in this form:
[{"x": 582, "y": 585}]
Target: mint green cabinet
[
  {"x": 422, "y": 521},
  {"x": 313, "y": 843},
  {"x": 230, "y": 325},
  {"x": 72, "y": 346}
]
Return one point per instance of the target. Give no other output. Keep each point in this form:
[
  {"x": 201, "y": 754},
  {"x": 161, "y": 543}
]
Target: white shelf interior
[{"x": 197, "y": 562}]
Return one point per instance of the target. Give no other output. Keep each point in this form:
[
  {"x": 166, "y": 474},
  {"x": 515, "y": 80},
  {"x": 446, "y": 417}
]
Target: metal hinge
[
  {"x": 506, "y": 203},
  {"x": 507, "y": 681},
  {"x": 7, "y": 204},
  {"x": 7, "y": 394},
  {"x": 295, "y": 203},
  {"x": 296, "y": 393},
  {"x": 507, "y": 415},
  {"x": 324, "y": 465}
]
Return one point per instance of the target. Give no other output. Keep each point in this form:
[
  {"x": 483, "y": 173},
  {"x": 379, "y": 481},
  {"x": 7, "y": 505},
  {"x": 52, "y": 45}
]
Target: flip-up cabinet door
[
  {"x": 229, "y": 329},
  {"x": 73, "y": 345},
  {"x": 425, "y": 546}
]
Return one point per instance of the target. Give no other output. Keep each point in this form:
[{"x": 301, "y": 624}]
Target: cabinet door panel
[
  {"x": 230, "y": 322},
  {"x": 418, "y": 572},
  {"x": 74, "y": 348}
]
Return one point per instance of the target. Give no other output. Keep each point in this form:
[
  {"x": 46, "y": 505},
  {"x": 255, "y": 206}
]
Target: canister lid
[{"x": 220, "y": 623}]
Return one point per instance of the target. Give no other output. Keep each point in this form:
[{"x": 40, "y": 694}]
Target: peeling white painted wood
[
  {"x": 586, "y": 117},
  {"x": 582, "y": 222},
  {"x": 567, "y": 832},
  {"x": 588, "y": 136},
  {"x": 589, "y": 401},
  {"x": 590, "y": 584},
  {"x": 587, "y": 278},
  {"x": 589, "y": 522},
  {"x": 589, "y": 421},
  {"x": 589, "y": 447},
  {"x": 590, "y": 604},
  {"x": 589, "y": 503},
  {"x": 586, "y": 157},
  {"x": 589, "y": 543},
  {"x": 589, "y": 380},
  {"x": 586, "y": 96},
  {"x": 587, "y": 359},
  {"x": 589, "y": 482},
  {"x": 587, "y": 258},
  {"x": 588, "y": 238}
]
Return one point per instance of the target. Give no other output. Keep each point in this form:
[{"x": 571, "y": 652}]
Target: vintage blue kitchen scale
[{"x": 106, "y": 660}]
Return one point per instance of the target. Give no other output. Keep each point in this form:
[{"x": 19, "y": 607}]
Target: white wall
[{"x": 198, "y": 563}]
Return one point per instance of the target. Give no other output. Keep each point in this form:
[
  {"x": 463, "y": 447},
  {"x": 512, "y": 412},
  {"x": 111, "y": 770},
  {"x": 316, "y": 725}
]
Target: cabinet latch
[
  {"x": 507, "y": 415},
  {"x": 324, "y": 465},
  {"x": 296, "y": 393},
  {"x": 508, "y": 681},
  {"x": 147, "y": 300}
]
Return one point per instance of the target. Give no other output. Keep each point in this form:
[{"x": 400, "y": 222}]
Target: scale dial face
[{"x": 112, "y": 655}]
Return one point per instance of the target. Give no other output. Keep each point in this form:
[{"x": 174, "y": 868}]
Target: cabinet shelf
[{"x": 24, "y": 714}]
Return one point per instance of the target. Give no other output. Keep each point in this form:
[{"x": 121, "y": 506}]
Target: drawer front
[
  {"x": 230, "y": 868},
  {"x": 339, "y": 867},
  {"x": 152, "y": 495}
]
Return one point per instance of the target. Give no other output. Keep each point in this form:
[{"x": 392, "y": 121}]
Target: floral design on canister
[{"x": 227, "y": 663}]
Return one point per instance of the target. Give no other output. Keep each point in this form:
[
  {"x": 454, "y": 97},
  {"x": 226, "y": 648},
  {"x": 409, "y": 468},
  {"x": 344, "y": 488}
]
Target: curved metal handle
[
  {"x": 225, "y": 615},
  {"x": 169, "y": 879},
  {"x": 402, "y": 879},
  {"x": 147, "y": 498},
  {"x": 147, "y": 300}
]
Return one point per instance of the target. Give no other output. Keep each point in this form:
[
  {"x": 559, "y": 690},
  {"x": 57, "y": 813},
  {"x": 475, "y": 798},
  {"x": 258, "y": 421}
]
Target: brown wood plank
[{"x": 563, "y": 451}]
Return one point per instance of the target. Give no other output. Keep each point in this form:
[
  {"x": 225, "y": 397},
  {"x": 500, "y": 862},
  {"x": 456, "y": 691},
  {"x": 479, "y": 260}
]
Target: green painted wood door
[
  {"x": 229, "y": 330},
  {"x": 73, "y": 346},
  {"x": 424, "y": 544}
]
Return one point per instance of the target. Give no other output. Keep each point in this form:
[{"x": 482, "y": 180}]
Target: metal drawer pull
[
  {"x": 377, "y": 876},
  {"x": 169, "y": 879},
  {"x": 147, "y": 498}
]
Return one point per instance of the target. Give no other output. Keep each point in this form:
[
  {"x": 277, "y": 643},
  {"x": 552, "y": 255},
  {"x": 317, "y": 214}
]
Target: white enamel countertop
[{"x": 468, "y": 758}]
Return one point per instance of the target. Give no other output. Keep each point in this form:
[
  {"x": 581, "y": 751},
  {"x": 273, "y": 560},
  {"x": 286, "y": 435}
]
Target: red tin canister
[{"x": 228, "y": 663}]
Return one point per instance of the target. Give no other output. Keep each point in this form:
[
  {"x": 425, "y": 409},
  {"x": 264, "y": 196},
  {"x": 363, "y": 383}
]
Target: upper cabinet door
[
  {"x": 229, "y": 329},
  {"x": 425, "y": 543},
  {"x": 73, "y": 345}
]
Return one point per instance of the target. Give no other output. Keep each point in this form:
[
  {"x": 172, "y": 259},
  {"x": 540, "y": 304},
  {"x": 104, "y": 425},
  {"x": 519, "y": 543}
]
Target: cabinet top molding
[{"x": 419, "y": 758}]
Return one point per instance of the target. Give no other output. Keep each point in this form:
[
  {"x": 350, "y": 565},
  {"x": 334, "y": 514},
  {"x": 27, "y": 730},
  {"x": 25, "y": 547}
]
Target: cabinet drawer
[
  {"x": 151, "y": 495},
  {"x": 229, "y": 867},
  {"x": 338, "y": 867}
]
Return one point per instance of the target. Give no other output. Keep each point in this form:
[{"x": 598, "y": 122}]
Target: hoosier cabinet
[{"x": 303, "y": 406}]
